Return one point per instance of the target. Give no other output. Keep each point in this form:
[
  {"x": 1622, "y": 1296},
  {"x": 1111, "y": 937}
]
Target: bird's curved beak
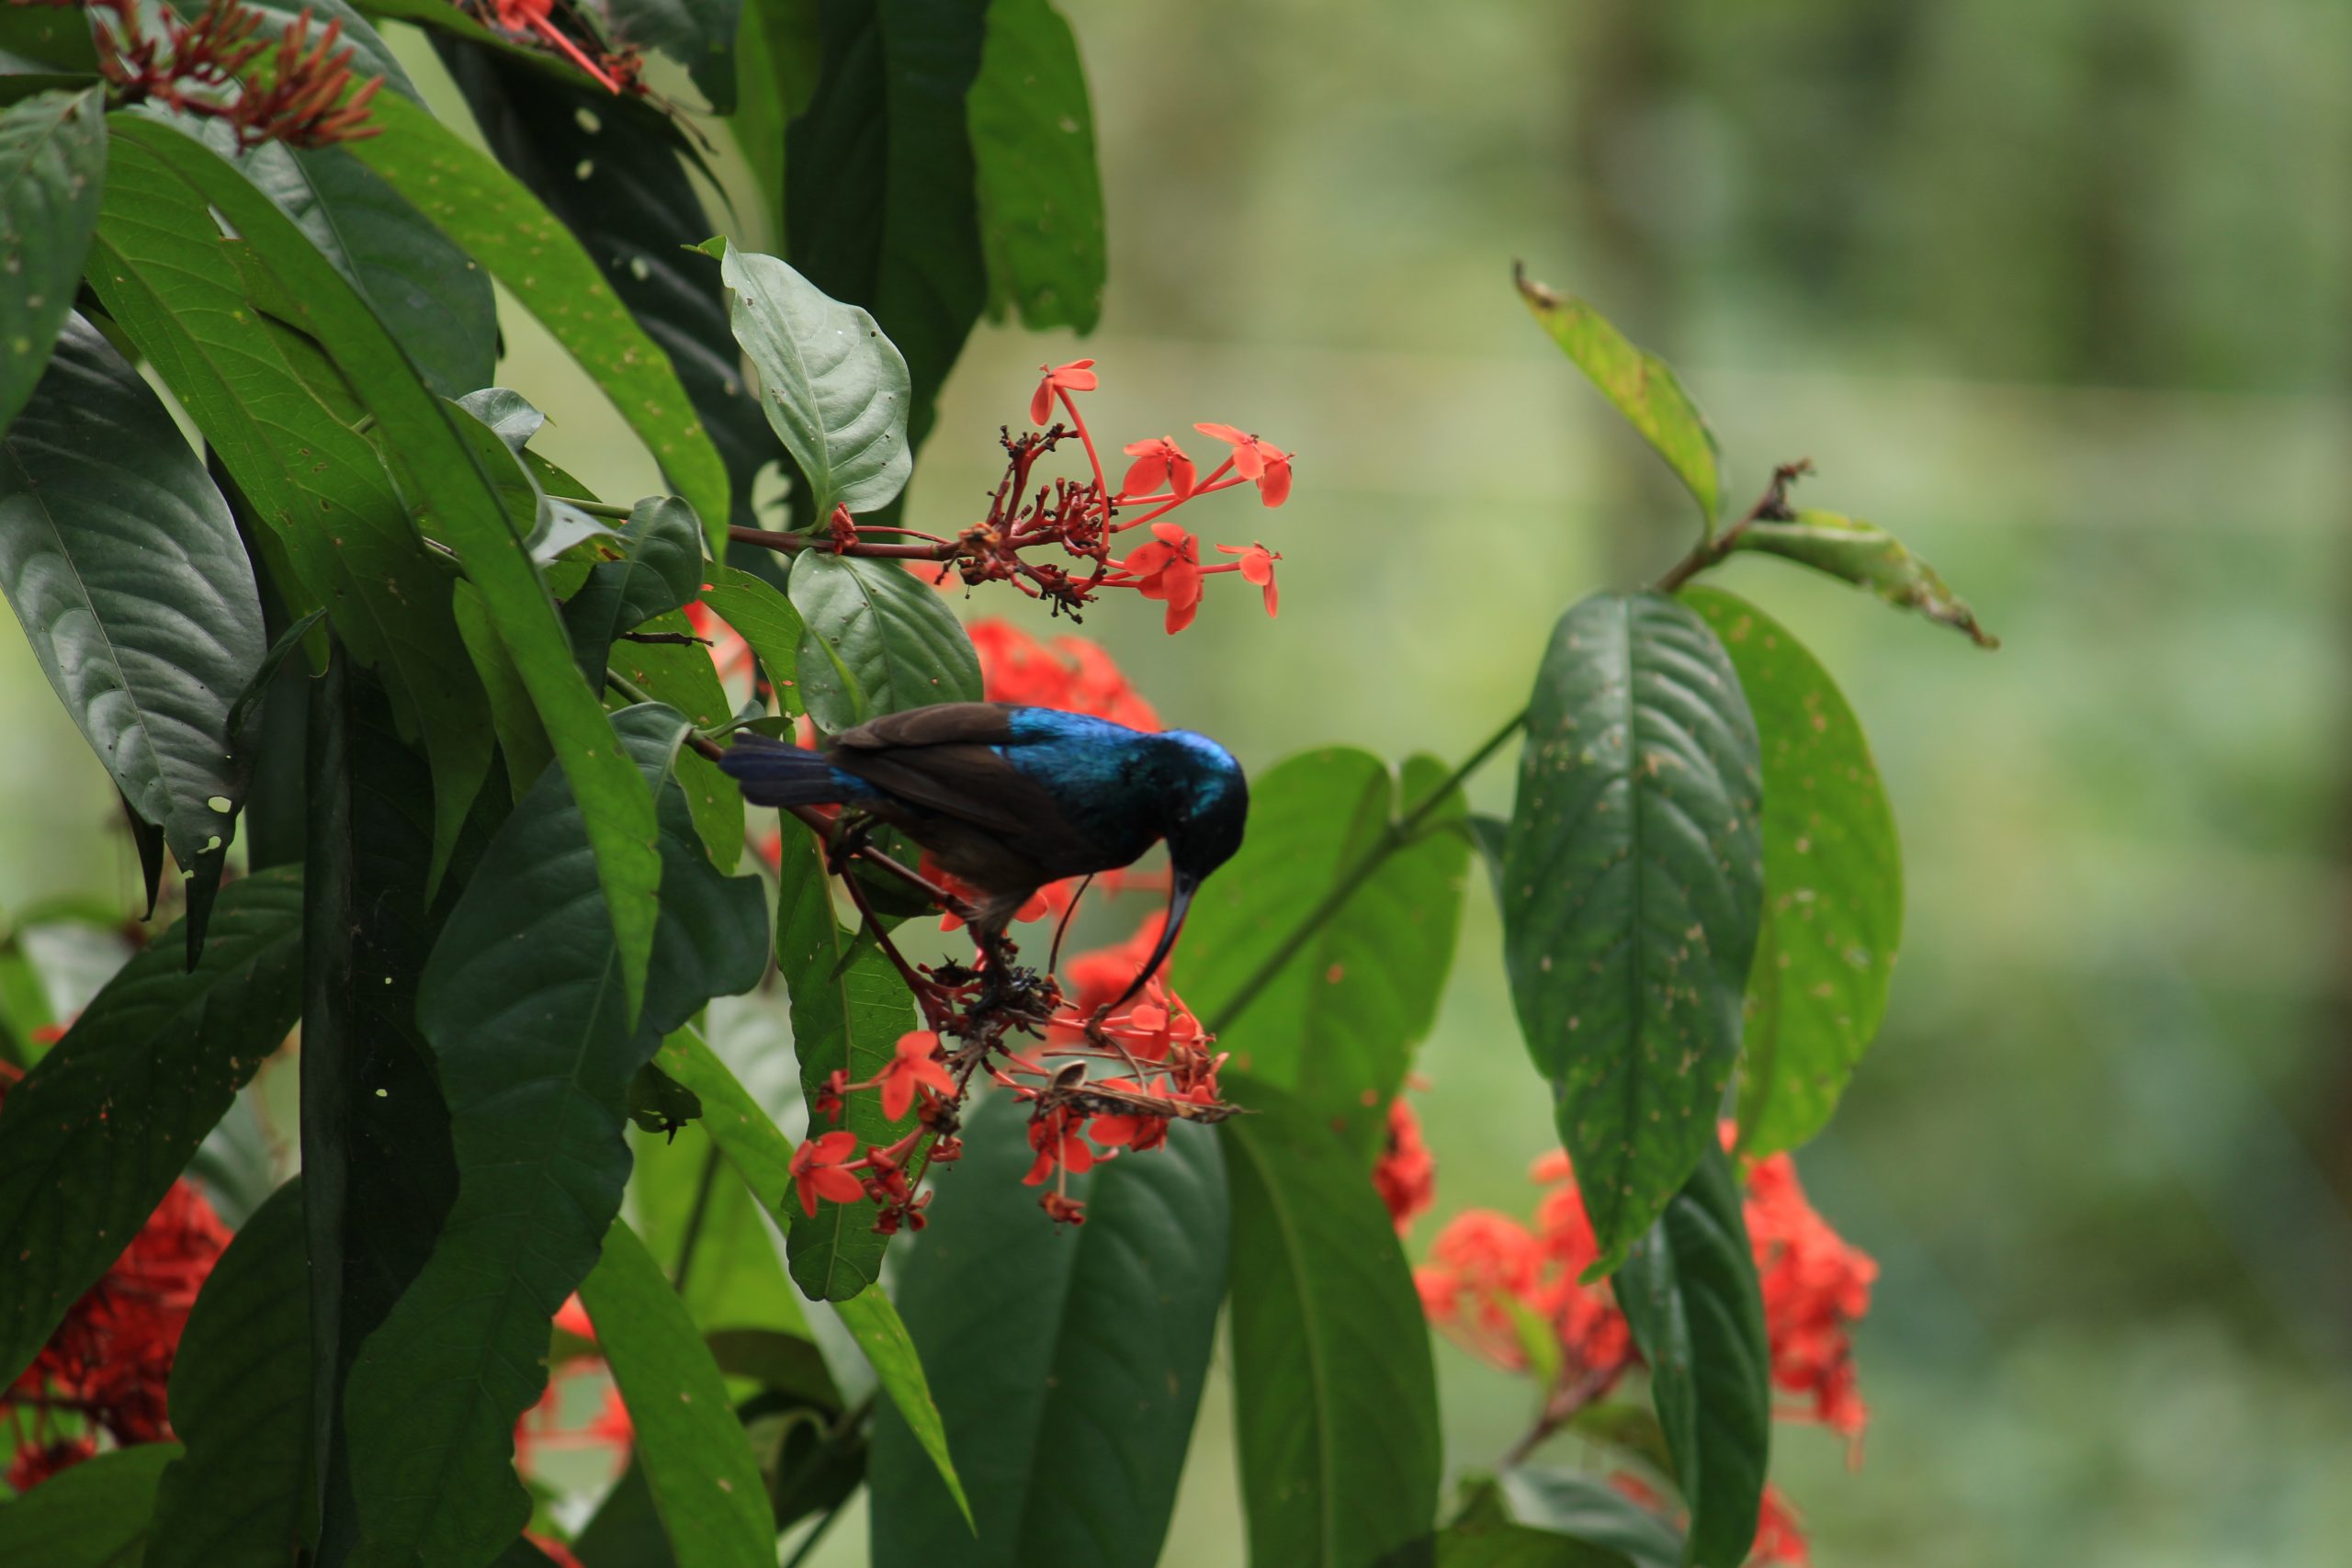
[{"x": 1180, "y": 889}]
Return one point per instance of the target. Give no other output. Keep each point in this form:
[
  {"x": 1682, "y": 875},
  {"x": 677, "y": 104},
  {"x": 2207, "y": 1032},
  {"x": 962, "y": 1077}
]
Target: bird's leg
[{"x": 850, "y": 833}]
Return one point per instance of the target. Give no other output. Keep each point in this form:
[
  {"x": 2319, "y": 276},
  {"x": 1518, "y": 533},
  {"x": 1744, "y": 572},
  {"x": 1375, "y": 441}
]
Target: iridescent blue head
[{"x": 1208, "y": 807}]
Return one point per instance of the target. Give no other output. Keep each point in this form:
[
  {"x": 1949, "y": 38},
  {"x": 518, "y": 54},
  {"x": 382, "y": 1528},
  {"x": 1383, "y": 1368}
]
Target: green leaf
[
  {"x": 658, "y": 569},
  {"x": 480, "y": 207},
  {"x": 93, "y": 1516},
  {"x": 1335, "y": 1397},
  {"x": 779, "y": 53},
  {"x": 764, "y": 617},
  {"x": 1484, "y": 1535},
  {"x": 241, "y": 1402},
  {"x": 321, "y": 492},
  {"x": 1033, "y": 151},
  {"x": 1689, "y": 1291},
  {"x": 1589, "y": 1509},
  {"x": 523, "y": 1004},
  {"x": 1337, "y": 1024},
  {"x": 697, "y": 34},
  {"x": 1073, "y": 1430},
  {"x": 682, "y": 676},
  {"x": 844, "y": 1016},
  {"x": 102, "y": 1126},
  {"x": 50, "y": 35},
  {"x": 52, "y": 174},
  {"x": 124, "y": 567},
  {"x": 833, "y": 388},
  {"x": 763, "y": 1158},
  {"x": 1833, "y": 884},
  {"x": 1631, "y": 884},
  {"x": 1869, "y": 557},
  {"x": 877, "y": 639},
  {"x": 705, "y": 1482},
  {"x": 734, "y": 1280},
  {"x": 1642, "y": 386}
]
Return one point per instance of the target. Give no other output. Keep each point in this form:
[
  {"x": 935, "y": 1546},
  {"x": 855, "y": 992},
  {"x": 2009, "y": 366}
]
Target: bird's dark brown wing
[
  {"x": 970, "y": 782},
  {"x": 942, "y": 724}
]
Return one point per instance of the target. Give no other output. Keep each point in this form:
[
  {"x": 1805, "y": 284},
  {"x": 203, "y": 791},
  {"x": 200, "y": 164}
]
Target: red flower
[
  {"x": 1260, "y": 461},
  {"x": 1258, "y": 567},
  {"x": 1405, "y": 1175},
  {"x": 557, "y": 1552},
  {"x": 1136, "y": 1130},
  {"x": 915, "y": 1065},
  {"x": 1158, "y": 461},
  {"x": 1815, "y": 1288},
  {"x": 1054, "y": 1136},
  {"x": 1170, "y": 569},
  {"x": 816, "y": 1171},
  {"x": 1779, "y": 1534},
  {"x": 1077, "y": 375}
]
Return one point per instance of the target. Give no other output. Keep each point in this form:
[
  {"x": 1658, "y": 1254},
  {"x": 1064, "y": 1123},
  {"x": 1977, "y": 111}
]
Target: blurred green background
[{"x": 2058, "y": 290}]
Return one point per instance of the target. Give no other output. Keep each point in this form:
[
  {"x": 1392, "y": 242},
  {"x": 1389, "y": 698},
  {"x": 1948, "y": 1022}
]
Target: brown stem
[
  {"x": 793, "y": 544},
  {"x": 1771, "y": 506},
  {"x": 1560, "y": 1409}
]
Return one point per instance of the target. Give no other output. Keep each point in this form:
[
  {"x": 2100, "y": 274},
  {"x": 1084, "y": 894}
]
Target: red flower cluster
[
  {"x": 110, "y": 1361},
  {"x": 199, "y": 67},
  {"x": 616, "y": 70},
  {"x": 1406, "y": 1173}
]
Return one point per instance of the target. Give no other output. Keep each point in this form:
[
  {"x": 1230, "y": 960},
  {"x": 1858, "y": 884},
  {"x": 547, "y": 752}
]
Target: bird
[{"x": 1009, "y": 798}]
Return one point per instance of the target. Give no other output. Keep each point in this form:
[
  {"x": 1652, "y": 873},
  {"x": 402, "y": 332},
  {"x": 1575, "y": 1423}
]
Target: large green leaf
[
  {"x": 697, "y": 34},
  {"x": 93, "y": 1516},
  {"x": 241, "y": 1402},
  {"x": 779, "y": 53},
  {"x": 1337, "y": 1023},
  {"x": 52, "y": 173},
  {"x": 255, "y": 388},
  {"x": 1689, "y": 1290},
  {"x": 102, "y": 1126},
  {"x": 1484, "y": 1535},
  {"x": 876, "y": 640},
  {"x": 1867, "y": 556},
  {"x": 1833, "y": 884},
  {"x": 833, "y": 388},
  {"x": 462, "y": 475},
  {"x": 124, "y": 567},
  {"x": 879, "y": 186},
  {"x": 1071, "y": 1432},
  {"x": 658, "y": 569},
  {"x": 1033, "y": 151},
  {"x": 523, "y": 1005},
  {"x": 733, "y": 1279},
  {"x": 1632, "y": 878},
  {"x": 480, "y": 207},
  {"x": 1642, "y": 386},
  {"x": 764, "y": 618},
  {"x": 692, "y": 1449},
  {"x": 845, "y": 1015},
  {"x": 1589, "y": 1509},
  {"x": 680, "y": 675},
  {"x": 761, "y": 1157},
  {"x": 1335, "y": 1397}
]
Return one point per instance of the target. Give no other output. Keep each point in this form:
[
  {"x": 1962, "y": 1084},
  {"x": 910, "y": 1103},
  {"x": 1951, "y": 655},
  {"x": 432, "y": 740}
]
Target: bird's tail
[{"x": 773, "y": 773}]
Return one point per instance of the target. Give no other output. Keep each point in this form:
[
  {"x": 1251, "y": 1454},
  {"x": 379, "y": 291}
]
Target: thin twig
[{"x": 1772, "y": 506}]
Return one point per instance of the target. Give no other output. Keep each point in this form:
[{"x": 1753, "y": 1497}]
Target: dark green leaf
[
  {"x": 782, "y": 1363},
  {"x": 1643, "y": 386},
  {"x": 1833, "y": 884},
  {"x": 1633, "y": 879},
  {"x": 842, "y": 1017},
  {"x": 1033, "y": 149},
  {"x": 779, "y": 53},
  {"x": 50, "y": 35},
  {"x": 241, "y": 1402},
  {"x": 1869, "y": 557},
  {"x": 102, "y": 1126},
  {"x": 692, "y": 1449},
  {"x": 659, "y": 1104},
  {"x": 1071, "y": 1432},
  {"x": 1589, "y": 1509},
  {"x": 1689, "y": 1290},
  {"x": 680, "y": 675},
  {"x": 877, "y": 640},
  {"x": 1484, "y": 1535},
  {"x": 523, "y": 1004},
  {"x": 480, "y": 207},
  {"x": 833, "y": 388},
  {"x": 1335, "y": 1398},
  {"x": 124, "y": 565},
  {"x": 659, "y": 570},
  {"x": 764, "y": 618},
  {"x": 52, "y": 174},
  {"x": 697, "y": 34},
  {"x": 1337, "y": 1023},
  {"x": 93, "y": 1516},
  {"x": 680, "y": 1193}
]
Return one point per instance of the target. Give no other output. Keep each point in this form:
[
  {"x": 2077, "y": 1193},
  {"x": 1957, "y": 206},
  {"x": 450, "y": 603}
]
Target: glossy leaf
[
  {"x": 124, "y": 567},
  {"x": 1072, "y": 1431},
  {"x": 93, "y": 1516},
  {"x": 1032, "y": 152},
  {"x": 52, "y": 173},
  {"x": 1632, "y": 884},
  {"x": 1589, "y": 1509},
  {"x": 761, "y": 1157},
  {"x": 502, "y": 226},
  {"x": 658, "y": 568},
  {"x": 241, "y": 1404},
  {"x": 1833, "y": 884},
  {"x": 844, "y": 1016},
  {"x": 1689, "y": 1291},
  {"x": 779, "y": 53},
  {"x": 1337, "y": 1024},
  {"x": 102, "y": 1126},
  {"x": 523, "y": 1005},
  {"x": 833, "y": 388},
  {"x": 692, "y": 1449},
  {"x": 1335, "y": 1397},
  {"x": 697, "y": 34},
  {"x": 764, "y": 617},
  {"x": 1642, "y": 386},
  {"x": 877, "y": 640},
  {"x": 1867, "y": 556},
  {"x": 1484, "y": 1535}
]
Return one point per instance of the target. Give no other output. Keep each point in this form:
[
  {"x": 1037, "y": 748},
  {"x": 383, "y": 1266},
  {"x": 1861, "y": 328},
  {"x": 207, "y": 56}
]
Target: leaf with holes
[
  {"x": 52, "y": 173},
  {"x": 875, "y": 639}
]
